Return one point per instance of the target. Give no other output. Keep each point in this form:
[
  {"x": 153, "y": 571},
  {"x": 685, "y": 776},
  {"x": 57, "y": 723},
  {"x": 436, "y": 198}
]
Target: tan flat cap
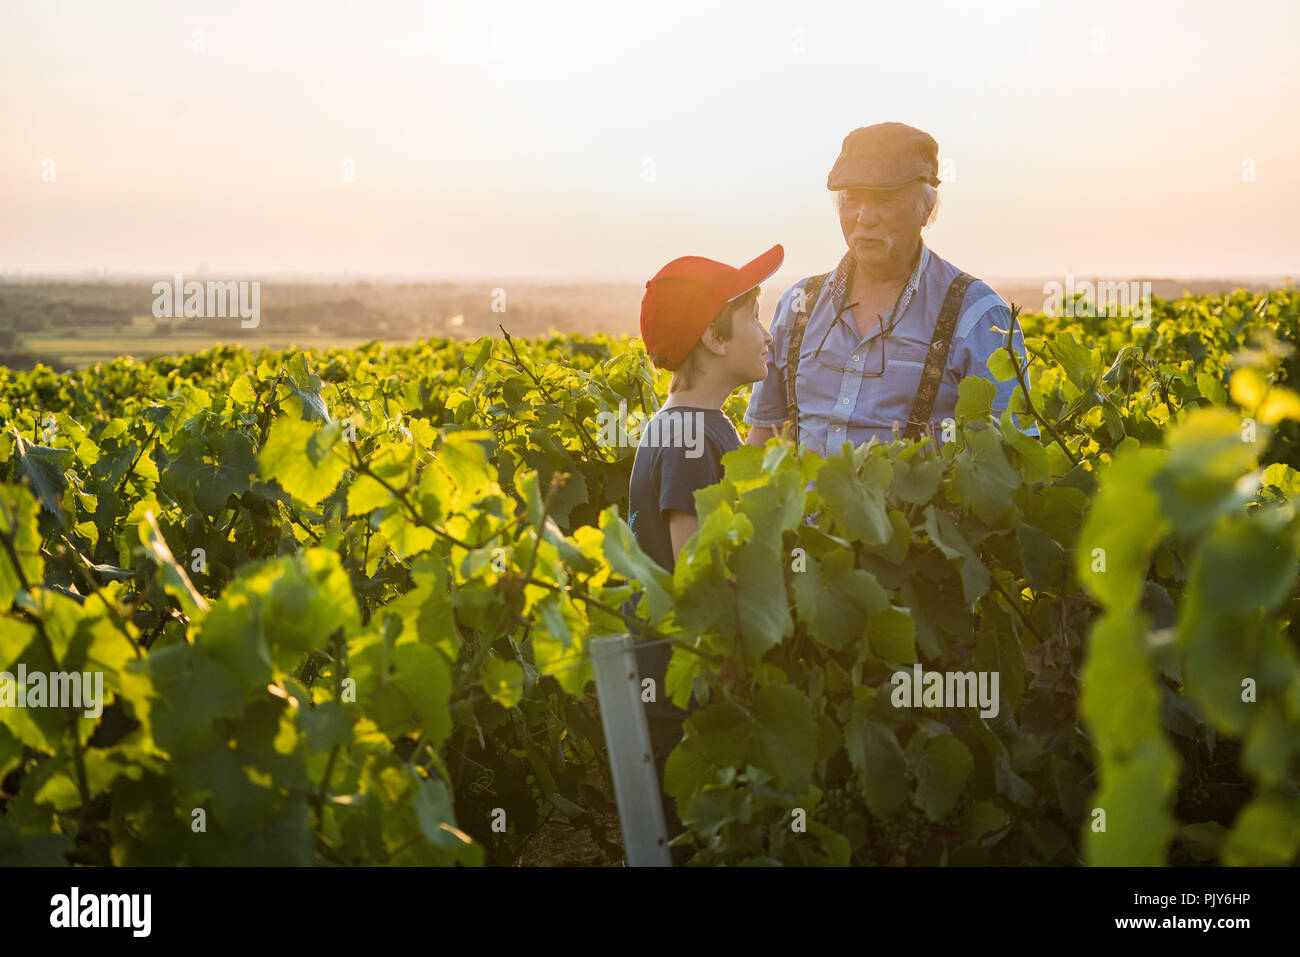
[{"x": 885, "y": 156}]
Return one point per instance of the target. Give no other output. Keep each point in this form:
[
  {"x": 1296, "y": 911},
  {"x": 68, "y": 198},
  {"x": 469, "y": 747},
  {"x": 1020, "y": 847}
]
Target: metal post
[{"x": 631, "y": 761}]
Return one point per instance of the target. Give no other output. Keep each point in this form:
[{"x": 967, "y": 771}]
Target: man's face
[{"x": 881, "y": 226}]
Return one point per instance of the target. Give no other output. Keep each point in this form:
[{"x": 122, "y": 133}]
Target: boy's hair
[{"x": 685, "y": 374}]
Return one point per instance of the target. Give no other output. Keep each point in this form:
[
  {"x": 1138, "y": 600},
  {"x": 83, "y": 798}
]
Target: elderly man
[{"x": 878, "y": 346}]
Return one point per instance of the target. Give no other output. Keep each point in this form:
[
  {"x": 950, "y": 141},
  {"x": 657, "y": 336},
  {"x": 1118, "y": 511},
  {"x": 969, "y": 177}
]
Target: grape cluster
[
  {"x": 838, "y": 802},
  {"x": 907, "y": 832}
]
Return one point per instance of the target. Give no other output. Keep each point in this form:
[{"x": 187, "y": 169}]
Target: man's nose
[{"x": 867, "y": 215}]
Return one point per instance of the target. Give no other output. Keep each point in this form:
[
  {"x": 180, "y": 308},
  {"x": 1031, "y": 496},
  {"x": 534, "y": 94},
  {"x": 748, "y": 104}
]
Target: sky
[{"x": 599, "y": 140}]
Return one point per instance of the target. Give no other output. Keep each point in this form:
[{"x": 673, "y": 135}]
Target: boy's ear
[{"x": 713, "y": 342}]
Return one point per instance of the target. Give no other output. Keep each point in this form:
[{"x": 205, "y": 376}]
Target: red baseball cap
[{"x": 687, "y": 294}]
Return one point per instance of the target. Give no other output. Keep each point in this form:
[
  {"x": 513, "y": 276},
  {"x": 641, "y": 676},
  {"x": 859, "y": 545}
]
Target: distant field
[
  {"x": 77, "y": 324},
  {"x": 92, "y": 346}
]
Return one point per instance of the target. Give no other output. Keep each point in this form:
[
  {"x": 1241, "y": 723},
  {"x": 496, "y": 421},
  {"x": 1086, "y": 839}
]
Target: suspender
[
  {"x": 935, "y": 362},
  {"x": 811, "y": 290}
]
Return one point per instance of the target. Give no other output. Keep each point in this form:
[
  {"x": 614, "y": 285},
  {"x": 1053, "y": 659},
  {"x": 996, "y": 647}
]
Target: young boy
[{"x": 699, "y": 318}]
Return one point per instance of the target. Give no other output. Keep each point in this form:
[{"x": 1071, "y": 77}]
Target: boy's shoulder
[{"x": 680, "y": 432}]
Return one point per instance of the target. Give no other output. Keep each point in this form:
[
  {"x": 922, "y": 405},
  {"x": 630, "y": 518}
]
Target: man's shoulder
[
  {"x": 785, "y": 306},
  {"x": 978, "y": 300},
  {"x": 941, "y": 273}
]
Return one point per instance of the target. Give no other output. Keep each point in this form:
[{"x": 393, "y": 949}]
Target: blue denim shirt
[{"x": 837, "y": 403}]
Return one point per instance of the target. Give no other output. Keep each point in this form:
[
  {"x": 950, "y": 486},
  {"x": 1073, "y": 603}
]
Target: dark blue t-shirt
[{"x": 681, "y": 450}]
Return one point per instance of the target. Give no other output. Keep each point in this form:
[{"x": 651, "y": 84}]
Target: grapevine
[{"x": 343, "y": 600}]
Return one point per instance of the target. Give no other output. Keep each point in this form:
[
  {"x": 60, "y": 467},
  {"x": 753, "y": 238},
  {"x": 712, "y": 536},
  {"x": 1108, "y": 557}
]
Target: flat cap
[{"x": 885, "y": 156}]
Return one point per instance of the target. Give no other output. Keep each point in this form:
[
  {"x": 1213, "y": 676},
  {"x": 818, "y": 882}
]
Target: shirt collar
[{"x": 842, "y": 279}]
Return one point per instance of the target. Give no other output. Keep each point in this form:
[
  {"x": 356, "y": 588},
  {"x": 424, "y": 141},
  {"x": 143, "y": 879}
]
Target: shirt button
[
  {"x": 844, "y": 401},
  {"x": 835, "y": 428},
  {"x": 855, "y": 358}
]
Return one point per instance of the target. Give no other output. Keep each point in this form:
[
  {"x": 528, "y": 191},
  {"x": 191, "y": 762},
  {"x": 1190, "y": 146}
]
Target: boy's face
[{"x": 748, "y": 348}]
